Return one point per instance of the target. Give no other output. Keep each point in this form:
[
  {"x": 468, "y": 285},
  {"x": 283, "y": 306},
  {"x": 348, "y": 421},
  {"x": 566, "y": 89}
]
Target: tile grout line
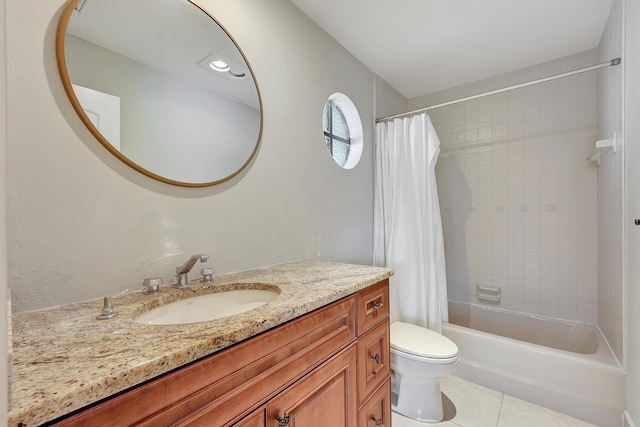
[{"x": 500, "y": 409}]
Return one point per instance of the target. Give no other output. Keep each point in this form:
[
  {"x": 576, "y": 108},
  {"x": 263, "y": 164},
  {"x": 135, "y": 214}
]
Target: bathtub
[{"x": 514, "y": 353}]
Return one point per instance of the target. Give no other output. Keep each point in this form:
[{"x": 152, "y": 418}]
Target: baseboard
[{"x": 628, "y": 422}]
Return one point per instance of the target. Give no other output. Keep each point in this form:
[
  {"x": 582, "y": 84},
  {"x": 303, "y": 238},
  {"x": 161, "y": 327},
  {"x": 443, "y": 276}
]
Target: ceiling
[{"x": 423, "y": 46}]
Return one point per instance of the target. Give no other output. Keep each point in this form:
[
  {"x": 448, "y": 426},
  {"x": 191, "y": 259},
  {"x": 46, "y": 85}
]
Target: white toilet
[{"x": 419, "y": 358}]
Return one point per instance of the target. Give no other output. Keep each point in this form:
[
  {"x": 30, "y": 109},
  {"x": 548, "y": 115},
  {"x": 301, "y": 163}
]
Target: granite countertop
[{"x": 64, "y": 359}]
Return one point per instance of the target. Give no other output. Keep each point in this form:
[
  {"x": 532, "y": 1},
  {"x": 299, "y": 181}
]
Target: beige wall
[
  {"x": 388, "y": 100},
  {"x": 632, "y": 159},
  {"x": 3, "y": 240},
  {"x": 83, "y": 225}
]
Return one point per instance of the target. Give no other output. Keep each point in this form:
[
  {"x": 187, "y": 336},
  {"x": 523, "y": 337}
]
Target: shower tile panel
[{"x": 519, "y": 204}]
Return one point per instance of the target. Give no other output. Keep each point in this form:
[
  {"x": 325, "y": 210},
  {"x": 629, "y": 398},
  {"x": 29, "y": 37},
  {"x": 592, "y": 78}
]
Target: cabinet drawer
[
  {"x": 373, "y": 359},
  {"x": 376, "y": 411},
  {"x": 373, "y": 306}
]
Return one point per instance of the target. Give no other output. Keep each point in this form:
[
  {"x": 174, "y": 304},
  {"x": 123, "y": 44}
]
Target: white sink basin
[{"x": 207, "y": 307}]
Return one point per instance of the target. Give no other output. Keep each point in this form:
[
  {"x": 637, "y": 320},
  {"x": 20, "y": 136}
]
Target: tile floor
[{"x": 471, "y": 405}]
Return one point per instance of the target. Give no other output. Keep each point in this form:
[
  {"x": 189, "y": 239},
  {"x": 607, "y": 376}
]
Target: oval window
[{"x": 342, "y": 129}]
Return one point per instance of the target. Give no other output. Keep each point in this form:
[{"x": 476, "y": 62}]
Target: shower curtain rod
[{"x": 610, "y": 63}]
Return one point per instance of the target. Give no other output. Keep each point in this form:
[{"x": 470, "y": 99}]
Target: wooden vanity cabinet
[
  {"x": 374, "y": 356},
  {"x": 257, "y": 418},
  {"x": 317, "y": 370}
]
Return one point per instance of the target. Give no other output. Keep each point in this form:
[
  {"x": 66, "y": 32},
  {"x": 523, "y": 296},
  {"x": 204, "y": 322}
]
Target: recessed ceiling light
[{"x": 219, "y": 65}]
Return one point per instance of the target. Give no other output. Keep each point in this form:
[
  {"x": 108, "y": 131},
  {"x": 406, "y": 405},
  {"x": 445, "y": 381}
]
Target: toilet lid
[{"x": 421, "y": 341}]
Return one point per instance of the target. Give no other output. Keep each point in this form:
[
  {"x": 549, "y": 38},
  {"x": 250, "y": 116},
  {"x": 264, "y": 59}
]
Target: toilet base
[{"x": 421, "y": 401}]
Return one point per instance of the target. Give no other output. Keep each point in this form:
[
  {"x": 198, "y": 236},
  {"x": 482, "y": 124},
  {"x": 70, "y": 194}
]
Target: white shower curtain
[{"x": 407, "y": 224}]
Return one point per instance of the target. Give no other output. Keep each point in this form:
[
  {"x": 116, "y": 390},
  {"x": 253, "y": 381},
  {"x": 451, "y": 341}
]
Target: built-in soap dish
[{"x": 488, "y": 293}]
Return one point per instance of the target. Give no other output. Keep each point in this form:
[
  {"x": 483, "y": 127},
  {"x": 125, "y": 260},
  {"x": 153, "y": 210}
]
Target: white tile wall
[
  {"x": 610, "y": 177},
  {"x": 519, "y": 203}
]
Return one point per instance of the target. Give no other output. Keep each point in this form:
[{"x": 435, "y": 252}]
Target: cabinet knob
[
  {"x": 378, "y": 421},
  {"x": 376, "y": 357},
  {"x": 377, "y": 305},
  {"x": 283, "y": 421}
]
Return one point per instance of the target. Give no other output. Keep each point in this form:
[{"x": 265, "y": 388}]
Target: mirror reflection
[{"x": 162, "y": 86}]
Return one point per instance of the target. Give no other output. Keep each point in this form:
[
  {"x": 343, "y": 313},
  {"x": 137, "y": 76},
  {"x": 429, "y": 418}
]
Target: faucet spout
[
  {"x": 183, "y": 270},
  {"x": 187, "y": 266}
]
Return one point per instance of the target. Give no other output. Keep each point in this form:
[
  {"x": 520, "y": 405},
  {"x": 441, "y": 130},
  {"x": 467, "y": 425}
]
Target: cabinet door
[
  {"x": 373, "y": 359},
  {"x": 376, "y": 411},
  {"x": 254, "y": 419},
  {"x": 326, "y": 396}
]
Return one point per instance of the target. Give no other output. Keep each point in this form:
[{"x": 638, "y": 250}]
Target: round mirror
[{"x": 163, "y": 86}]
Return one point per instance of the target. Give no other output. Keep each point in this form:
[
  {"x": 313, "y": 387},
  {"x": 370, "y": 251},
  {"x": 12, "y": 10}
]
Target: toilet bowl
[{"x": 419, "y": 358}]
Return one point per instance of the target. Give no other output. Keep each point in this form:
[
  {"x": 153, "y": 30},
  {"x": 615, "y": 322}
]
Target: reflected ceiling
[{"x": 161, "y": 35}]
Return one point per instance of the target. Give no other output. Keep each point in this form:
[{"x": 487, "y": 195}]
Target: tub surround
[
  {"x": 587, "y": 383},
  {"x": 65, "y": 359}
]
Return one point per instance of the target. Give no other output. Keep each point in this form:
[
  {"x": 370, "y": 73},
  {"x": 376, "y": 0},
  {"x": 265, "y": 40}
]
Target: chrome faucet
[
  {"x": 184, "y": 269},
  {"x": 107, "y": 309}
]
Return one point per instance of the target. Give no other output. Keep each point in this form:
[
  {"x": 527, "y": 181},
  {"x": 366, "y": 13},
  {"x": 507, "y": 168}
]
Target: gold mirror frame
[{"x": 66, "y": 82}]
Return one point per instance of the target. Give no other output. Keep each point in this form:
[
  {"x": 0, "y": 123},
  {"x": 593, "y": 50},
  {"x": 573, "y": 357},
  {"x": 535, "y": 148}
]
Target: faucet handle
[
  {"x": 207, "y": 275},
  {"x": 152, "y": 285},
  {"x": 107, "y": 307}
]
